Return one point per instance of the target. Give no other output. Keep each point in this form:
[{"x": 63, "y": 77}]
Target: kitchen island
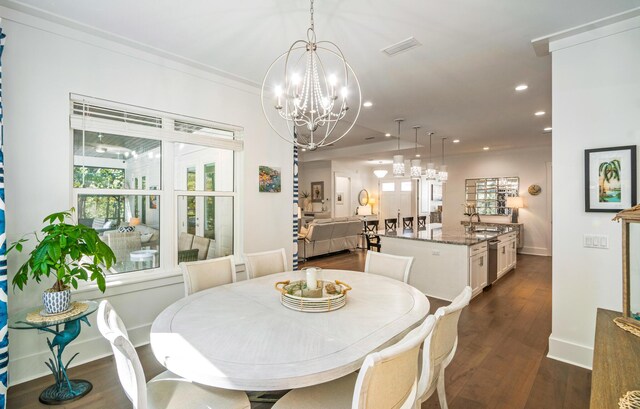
[{"x": 445, "y": 261}]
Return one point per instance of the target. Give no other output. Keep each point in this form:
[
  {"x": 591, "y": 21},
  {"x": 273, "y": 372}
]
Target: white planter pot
[{"x": 56, "y": 302}]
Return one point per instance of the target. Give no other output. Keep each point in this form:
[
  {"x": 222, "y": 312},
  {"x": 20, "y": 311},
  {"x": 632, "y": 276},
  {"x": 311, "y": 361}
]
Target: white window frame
[{"x": 167, "y": 194}]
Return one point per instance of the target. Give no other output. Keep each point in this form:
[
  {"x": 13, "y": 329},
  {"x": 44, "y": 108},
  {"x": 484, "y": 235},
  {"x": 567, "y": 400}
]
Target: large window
[{"x": 159, "y": 188}]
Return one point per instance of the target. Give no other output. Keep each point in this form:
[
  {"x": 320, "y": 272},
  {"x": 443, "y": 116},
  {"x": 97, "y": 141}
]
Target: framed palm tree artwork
[{"x": 610, "y": 178}]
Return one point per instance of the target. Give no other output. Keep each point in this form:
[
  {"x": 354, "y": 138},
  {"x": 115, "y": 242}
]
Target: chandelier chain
[{"x": 311, "y": 13}]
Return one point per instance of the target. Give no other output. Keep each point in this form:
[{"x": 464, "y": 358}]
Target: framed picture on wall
[
  {"x": 317, "y": 192},
  {"x": 610, "y": 178},
  {"x": 269, "y": 179}
]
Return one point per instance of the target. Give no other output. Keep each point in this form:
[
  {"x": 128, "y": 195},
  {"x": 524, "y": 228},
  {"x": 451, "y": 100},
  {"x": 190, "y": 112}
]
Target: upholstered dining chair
[
  {"x": 388, "y": 265},
  {"x": 200, "y": 275},
  {"x": 391, "y": 224},
  {"x": 265, "y": 263},
  {"x": 407, "y": 223},
  {"x": 165, "y": 391},
  {"x": 440, "y": 348},
  {"x": 387, "y": 379}
]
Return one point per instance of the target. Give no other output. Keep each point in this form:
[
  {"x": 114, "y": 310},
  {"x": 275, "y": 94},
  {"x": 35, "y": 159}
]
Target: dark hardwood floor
[{"x": 500, "y": 363}]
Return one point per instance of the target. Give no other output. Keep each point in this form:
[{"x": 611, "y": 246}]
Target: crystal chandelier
[
  {"x": 443, "y": 175},
  {"x": 398, "y": 160},
  {"x": 416, "y": 164},
  {"x": 430, "y": 172},
  {"x": 313, "y": 96}
]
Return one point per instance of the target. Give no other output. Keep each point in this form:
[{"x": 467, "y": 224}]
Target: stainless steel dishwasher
[{"x": 492, "y": 266}]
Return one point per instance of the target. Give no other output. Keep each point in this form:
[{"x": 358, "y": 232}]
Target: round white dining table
[{"x": 239, "y": 336}]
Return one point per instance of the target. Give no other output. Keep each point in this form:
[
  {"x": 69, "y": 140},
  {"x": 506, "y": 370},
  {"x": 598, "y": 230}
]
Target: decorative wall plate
[{"x": 534, "y": 190}]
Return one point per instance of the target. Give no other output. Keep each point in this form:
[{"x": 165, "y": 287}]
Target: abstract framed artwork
[
  {"x": 317, "y": 192},
  {"x": 270, "y": 179},
  {"x": 610, "y": 178}
]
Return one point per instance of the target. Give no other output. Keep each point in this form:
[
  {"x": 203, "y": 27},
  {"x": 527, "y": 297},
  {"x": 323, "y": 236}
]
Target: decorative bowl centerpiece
[{"x": 326, "y": 296}]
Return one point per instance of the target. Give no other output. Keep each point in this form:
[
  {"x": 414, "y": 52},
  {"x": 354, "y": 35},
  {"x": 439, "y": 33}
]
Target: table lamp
[
  {"x": 134, "y": 221},
  {"x": 514, "y": 203}
]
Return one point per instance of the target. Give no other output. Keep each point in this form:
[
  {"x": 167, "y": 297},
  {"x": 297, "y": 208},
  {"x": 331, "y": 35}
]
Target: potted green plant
[
  {"x": 67, "y": 251},
  {"x": 306, "y": 199}
]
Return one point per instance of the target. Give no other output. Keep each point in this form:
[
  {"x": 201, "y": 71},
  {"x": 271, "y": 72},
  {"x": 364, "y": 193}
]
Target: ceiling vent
[{"x": 403, "y": 45}]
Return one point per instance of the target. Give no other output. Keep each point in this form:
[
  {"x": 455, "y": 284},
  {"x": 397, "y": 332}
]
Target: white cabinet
[
  {"x": 503, "y": 261},
  {"x": 507, "y": 253},
  {"x": 478, "y": 272}
]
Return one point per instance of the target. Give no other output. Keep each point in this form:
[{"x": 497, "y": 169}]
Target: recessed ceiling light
[
  {"x": 367, "y": 104},
  {"x": 387, "y": 134},
  {"x": 417, "y": 155},
  {"x": 456, "y": 141},
  {"x": 547, "y": 129},
  {"x": 522, "y": 87},
  {"x": 486, "y": 148},
  {"x": 540, "y": 113}
]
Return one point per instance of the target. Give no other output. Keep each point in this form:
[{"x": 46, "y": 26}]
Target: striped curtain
[{"x": 4, "y": 333}]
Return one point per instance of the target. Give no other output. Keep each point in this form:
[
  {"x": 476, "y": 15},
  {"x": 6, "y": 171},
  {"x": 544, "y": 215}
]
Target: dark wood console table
[{"x": 616, "y": 362}]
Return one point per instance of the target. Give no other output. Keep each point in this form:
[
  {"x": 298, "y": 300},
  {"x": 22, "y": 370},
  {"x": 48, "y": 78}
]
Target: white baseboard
[
  {"x": 570, "y": 352},
  {"x": 535, "y": 251},
  {"x": 31, "y": 367}
]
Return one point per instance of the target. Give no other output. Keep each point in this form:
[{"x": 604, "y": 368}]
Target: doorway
[{"x": 342, "y": 201}]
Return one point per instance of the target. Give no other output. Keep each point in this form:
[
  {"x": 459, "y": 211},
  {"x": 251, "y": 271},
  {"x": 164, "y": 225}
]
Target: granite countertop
[{"x": 437, "y": 234}]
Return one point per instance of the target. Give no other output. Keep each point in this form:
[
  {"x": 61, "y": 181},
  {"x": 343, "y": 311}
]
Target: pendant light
[
  {"x": 398, "y": 160},
  {"x": 443, "y": 175},
  {"x": 416, "y": 164},
  {"x": 431, "y": 167}
]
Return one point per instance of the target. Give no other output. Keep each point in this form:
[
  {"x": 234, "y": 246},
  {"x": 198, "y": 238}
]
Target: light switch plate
[{"x": 595, "y": 241}]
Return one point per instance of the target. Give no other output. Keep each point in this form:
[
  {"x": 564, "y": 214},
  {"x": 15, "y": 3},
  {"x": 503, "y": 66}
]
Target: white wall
[
  {"x": 317, "y": 171},
  {"x": 596, "y": 103},
  {"x": 527, "y": 164},
  {"x": 361, "y": 177},
  {"x": 42, "y": 64}
]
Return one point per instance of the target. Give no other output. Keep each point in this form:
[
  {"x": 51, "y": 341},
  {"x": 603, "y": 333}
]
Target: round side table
[{"x": 64, "y": 331}]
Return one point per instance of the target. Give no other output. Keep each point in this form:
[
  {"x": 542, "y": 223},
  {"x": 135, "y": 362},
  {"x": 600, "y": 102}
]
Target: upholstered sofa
[{"x": 323, "y": 236}]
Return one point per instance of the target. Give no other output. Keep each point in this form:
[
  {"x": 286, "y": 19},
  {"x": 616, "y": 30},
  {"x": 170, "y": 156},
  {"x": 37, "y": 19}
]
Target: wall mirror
[
  {"x": 630, "y": 265},
  {"x": 363, "y": 197},
  {"x": 489, "y": 195}
]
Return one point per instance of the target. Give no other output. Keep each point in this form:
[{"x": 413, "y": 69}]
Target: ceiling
[{"x": 458, "y": 83}]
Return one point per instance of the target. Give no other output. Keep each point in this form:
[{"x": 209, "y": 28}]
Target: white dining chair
[
  {"x": 387, "y": 379},
  {"x": 200, "y": 275},
  {"x": 265, "y": 263},
  {"x": 440, "y": 348},
  {"x": 165, "y": 391},
  {"x": 388, "y": 265}
]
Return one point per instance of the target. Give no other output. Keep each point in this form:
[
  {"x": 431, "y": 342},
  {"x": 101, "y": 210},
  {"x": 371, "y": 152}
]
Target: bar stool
[
  {"x": 391, "y": 224},
  {"x": 371, "y": 235},
  {"x": 407, "y": 223},
  {"x": 422, "y": 222}
]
